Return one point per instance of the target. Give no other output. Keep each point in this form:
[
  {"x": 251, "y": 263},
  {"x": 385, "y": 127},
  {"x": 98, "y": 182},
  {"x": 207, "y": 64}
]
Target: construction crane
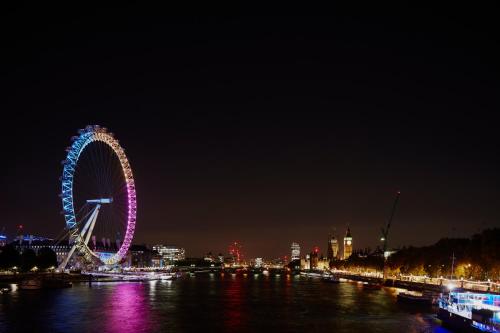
[{"x": 385, "y": 232}]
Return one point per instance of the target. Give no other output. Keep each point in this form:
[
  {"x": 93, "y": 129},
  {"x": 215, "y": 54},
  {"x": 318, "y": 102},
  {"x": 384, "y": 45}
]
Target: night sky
[{"x": 262, "y": 129}]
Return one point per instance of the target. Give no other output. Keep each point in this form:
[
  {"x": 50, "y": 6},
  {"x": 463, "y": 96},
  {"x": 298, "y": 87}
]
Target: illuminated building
[
  {"x": 209, "y": 257},
  {"x": 35, "y": 243},
  {"x": 157, "y": 260},
  {"x": 305, "y": 262},
  {"x": 323, "y": 264},
  {"x": 347, "y": 244},
  {"x": 313, "y": 263},
  {"x": 277, "y": 263},
  {"x": 333, "y": 248},
  {"x": 32, "y": 238},
  {"x": 295, "y": 251},
  {"x": 170, "y": 254},
  {"x": 139, "y": 256},
  {"x": 258, "y": 262},
  {"x": 3, "y": 240}
]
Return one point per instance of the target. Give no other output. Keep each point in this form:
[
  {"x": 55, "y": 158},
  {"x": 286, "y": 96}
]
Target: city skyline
[
  {"x": 263, "y": 135},
  {"x": 227, "y": 167}
]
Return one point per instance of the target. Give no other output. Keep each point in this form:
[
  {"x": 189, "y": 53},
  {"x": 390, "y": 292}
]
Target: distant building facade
[
  {"x": 295, "y": 248},
  {"x": 139, "y": 256},
  {"x": 157, "y": 260},
  {"x": 258, "y": 263},
  {"x": 347, "y": 244},
  {"x": 62, "y": 248},
  {"x": 323, "y": 264},
  {"x": 170, "y": 254},
  {"x": 313, "y": 261}
]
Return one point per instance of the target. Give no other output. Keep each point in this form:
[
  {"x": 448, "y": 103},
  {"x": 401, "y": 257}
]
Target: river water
[{"x": 213, "y": 303}]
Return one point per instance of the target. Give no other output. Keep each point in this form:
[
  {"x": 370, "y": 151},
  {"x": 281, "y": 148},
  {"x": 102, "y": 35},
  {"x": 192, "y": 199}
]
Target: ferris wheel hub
[{"x": 101, "y": 201}]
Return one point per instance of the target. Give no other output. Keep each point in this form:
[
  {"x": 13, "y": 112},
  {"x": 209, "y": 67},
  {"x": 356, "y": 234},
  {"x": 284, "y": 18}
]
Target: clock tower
[{"x": 347, "y": 244}]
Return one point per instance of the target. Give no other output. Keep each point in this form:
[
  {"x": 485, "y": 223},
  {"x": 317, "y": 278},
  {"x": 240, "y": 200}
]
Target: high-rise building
[
  {"x": 333, "y": 248},
  {"x": 295, "y": 252},
  {"x": 347, "y": 244}
]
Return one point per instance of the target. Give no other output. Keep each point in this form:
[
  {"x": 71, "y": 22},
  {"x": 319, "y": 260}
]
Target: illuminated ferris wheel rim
[{"x": 93, "y": 133}]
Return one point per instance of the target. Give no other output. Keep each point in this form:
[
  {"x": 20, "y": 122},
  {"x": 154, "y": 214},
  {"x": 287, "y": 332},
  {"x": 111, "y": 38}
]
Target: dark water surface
[{"x": 212, "y": 303}]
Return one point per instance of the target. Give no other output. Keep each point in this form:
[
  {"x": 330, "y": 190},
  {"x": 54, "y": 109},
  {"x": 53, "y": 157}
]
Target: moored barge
[{"x": 470, "y": 312}]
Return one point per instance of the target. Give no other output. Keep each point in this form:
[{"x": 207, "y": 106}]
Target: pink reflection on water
[
  {"x": 234, "y": 316},
  {"x": 128, "y": 309}
]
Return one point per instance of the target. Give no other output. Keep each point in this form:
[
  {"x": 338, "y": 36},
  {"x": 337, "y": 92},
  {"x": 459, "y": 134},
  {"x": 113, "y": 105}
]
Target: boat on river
[
  {"x": 46, "y": 282},
  {"x": 312, "y": 274},
  {"x": 331, "y": 278},
  {"x": 414, "y": 298},
  {"x": 56, "y": 283},
  {"x": 470, "y": 312},
  {"x": 31, "y": 284}
]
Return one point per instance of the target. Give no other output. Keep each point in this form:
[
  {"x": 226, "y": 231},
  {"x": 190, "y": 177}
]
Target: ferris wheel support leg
[
  {"x": 88, "y": 225},
  {"x": 90, "y": 221},
  {"x": 62, "y": 266},
  {"x": 92, "y": 224}
]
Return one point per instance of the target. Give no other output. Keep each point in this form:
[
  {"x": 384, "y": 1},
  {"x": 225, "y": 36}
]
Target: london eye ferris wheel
[{"x": 98, "y": 198}]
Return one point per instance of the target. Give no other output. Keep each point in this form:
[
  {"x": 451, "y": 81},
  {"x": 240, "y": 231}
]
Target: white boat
[
  {"x": 312, "y": 274},
  {"x": 167, "y": 276},
  {"x": 414, "y": 299},
  {"x": 332, "y": 278}
]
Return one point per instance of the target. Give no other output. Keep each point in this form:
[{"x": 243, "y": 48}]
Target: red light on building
[{"x": 316, "y": 249}]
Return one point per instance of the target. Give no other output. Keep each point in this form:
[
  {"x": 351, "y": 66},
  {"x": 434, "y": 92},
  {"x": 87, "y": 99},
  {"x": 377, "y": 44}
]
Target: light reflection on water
[
  {"x": 128, "y": 308},
  {"x": 212, "y": 302}
]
